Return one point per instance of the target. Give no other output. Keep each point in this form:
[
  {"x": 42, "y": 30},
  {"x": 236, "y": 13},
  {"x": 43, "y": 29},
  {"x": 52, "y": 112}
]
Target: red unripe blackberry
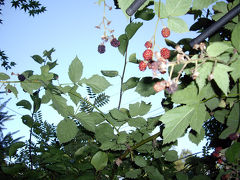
[
  {"x": 165, "y": 53},
  {"x": 21, "y": 77},
  {"x": 218, "y": 149},
  {"x": 148, "y": 44},
  {"x": 101, "y": 48},
  {"x": 165, "y": 32},
  {"x": 147, "y": 54},
  {"x": 114, "y": 42},
  {"x": 142, "y": 66},
  {"x": 9, "y": 91},
  {"x": 216, "y": 154}
]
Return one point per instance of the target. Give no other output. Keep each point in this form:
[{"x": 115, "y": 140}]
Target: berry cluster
[
  {"x": 105, "y": 38},
  {"x": 158, "y": 62}
]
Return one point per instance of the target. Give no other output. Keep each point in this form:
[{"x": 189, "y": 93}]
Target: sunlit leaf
[
  {"x": 97, "y": 83},
  {"x": 235, "y": 38},
  {"x": 132, "y": 28},
  {"x": 176, "y": 121},
  {"x": 4, "y": 76},
  {"x": 178, "y": 7},
  {"x": 217, "y": 48},
  {"x": 110, "y": 73},
  {"x": 75, "y": 70},
  {"x": 200, "y": 4},
  {"x": 139, "y": 108},
  {"x": 99, "y": 160},
  {"x": 177, "y": 25},
  {"x": 66, "y": 130}
]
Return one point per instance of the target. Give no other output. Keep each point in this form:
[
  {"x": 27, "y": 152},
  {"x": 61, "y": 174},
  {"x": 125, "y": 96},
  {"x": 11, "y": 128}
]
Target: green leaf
[
  {"x": 235, "y": 72},
  {"x": 201, "y": 177},
  {"x": 137, "y": 122},
  {"x": 153, "y": 173},
  {"x": 130, "y": 83},
  {"x": 97, "y": 83},
  {"x": 220, "y": 115},
  {"x": 133, "y": 173},
  {"x": 221, "y": 77},
  {"x": 118, "y": 115},
  {"x": 139, "y": 108},
  {"x": 75, "y": 70},
  {"x": 122, "y": 137},
  {"x": 100, "y": 1},
  {"x": 36, "y": 102},
  {"x": 131, "y": 29},
  {"x": 140, "y": 161},
  {"x": 217, "y": 48},
  {"x": 38, "y": 59},
  {"x": 220, "y": 7},
  {"x": 48, "y": 54},
  {"x": 206, "y": 92},
  {"x": 31, "y": 84},
  {"x": 87, "y": 121},
  {"x": 212, "y": 103},
  {"x": 163, "y": 11},
  {"x": 108, "y": 145},
  {"x": 25, "y": 104},
  {"x": 59, "y": 103},
  {"x": 14, "y": 147},
  {"x": 231, "y": 121},
  {"x": 204, "y": 71},
  {"x": 181, "y": 176},
  {"x": 198, "y": 117},
  {"x": 145, "y": 86},
  {"x": 110, "y": 73},
  {"x": 170, "y": 43},
  {"x": 99, "y": 160},
  {"x": 133, "y": 59},
  {"x": 4, "y": 76},
  {"x": 52, "y": 64},
  {"x": 178, "y": 7},
  {"x": 66, "y": 130},
  {"x": 145, "y": 14},
  {"x": 171, "y": 156},
  {"x": 200, "y": 4},
  {"x": 104, "y": 132},
  {"x": 235, "y": 37},
  {"x": 196, "y": 138},
  {"x": 13, "y": 89},
  {"x": 75, "y": 97},
  {"x": 123, "y": 43},
  {"x": 186, "y": 96},
  {"x": 233, "y": 153},
  {"x": 176, "y": 121},
  {"x": 27, "y": 120},
  {"x": 81, "y": 151},
  {"x": 177, "y": 25}
]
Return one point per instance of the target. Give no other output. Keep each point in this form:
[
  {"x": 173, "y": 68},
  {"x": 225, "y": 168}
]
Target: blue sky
[{"x": 69, "y": 28}]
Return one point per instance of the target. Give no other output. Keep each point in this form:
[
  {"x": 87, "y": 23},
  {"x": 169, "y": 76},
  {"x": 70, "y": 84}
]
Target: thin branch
[
  {"x": 139, "y": 144},
  {"x": 122, "y": 78}
]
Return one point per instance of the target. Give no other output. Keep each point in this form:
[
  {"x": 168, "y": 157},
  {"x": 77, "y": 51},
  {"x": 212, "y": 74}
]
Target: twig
[{"x": 139, "y": 144}]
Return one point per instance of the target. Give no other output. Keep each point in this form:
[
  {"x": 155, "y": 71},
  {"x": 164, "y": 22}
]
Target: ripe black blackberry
[
  {"x": 115, "y": 43},
  {"x": 101, "y": 48},
  {"x": 21, "y": 77}
]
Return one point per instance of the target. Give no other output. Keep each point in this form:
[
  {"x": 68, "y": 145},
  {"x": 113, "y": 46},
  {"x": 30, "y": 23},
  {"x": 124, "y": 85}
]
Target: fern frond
[
  {"x": 85, "y": 107},
  {"x": 91, "y": 94},
  {"x": 101, "y": 100}
]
